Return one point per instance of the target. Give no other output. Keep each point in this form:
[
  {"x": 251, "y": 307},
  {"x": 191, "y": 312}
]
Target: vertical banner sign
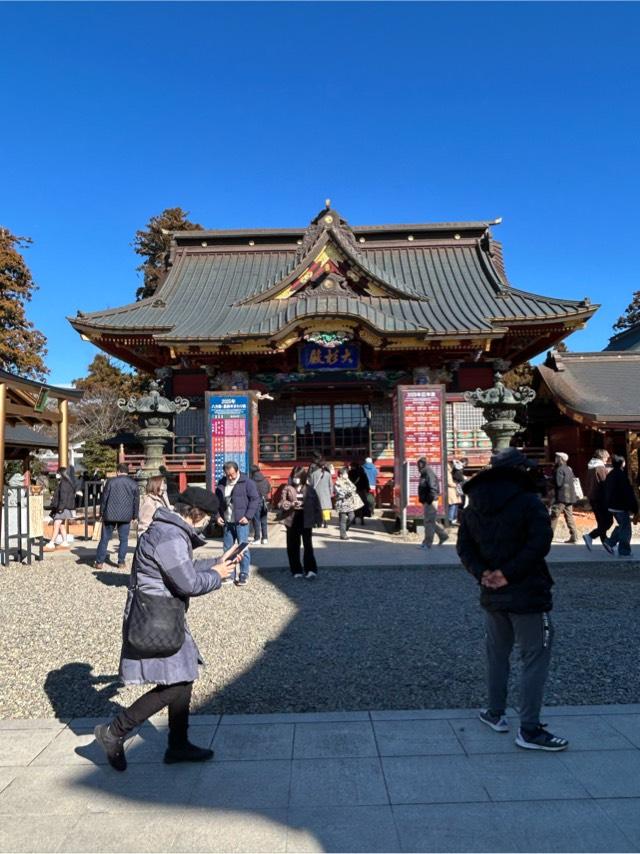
[
  {"x": 419, "y": 425},
  {"x": 232, "y": 429}
]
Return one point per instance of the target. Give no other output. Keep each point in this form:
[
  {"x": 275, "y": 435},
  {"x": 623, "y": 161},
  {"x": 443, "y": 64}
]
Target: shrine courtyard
[{"x": 343, "y": 712}]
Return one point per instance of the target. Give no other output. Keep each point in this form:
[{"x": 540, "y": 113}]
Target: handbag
[
  {"x": 154, "y": 627},
  {"x": 578, "y": 488}
]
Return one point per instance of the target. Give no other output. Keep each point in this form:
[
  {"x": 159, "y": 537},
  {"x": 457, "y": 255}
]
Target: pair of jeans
[
  {"x": 559, "y": 509},
  {"x": 431, "y": 526},
  {"x": 297, "y": 534},
  {"x": 177, "y": 697},
  {"x": 452, "y": 512},
  {"x": 346, "y": 521},
  {"x": 534, "y": 635},
  {"x": 604, "y": 520},
  {"x": 105, "y": 536},
  {"x": 234, "y": 532},
  {"x": 621, "y": 534},
  {"x": 261, "y": 525}
]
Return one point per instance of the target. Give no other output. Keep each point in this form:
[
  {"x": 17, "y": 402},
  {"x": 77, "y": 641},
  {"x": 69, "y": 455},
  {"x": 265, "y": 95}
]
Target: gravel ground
[{"x": 353, "y": 639}]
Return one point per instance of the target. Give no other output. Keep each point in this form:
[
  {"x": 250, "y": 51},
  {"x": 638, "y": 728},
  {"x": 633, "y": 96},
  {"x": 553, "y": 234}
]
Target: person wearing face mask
[
  {"x": 155, "y": 498},
  {"x": 301, "y": 511},
  {"x": 163, "y": 566}
]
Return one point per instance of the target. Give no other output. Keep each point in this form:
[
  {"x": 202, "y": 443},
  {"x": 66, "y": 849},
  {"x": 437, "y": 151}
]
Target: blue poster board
[
  {"x": 314, "y": 357},
  {"x": 230, "y": 429}
]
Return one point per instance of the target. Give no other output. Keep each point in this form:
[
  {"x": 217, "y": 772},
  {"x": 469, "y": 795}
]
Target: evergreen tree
[
  {"x": 22, "y": 347},
  {"x": 521, "y": 375},
  {"x": 631, "y": 315},
  {"x": 153, "y": 244},
  {"x": 95, "y": 455}
]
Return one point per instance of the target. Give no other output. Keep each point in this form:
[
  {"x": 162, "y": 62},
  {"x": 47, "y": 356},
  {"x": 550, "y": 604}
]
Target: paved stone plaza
[
  {"x": 385, "y": 626},
  {"x": 359, "y": 781}
]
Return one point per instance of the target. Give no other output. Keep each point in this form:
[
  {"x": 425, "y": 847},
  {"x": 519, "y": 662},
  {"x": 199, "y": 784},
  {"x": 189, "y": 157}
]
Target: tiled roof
[
  {"x": 19, "y": 436},
  {"x": 628, "y": 339},
  {"x": 600, "y": 386},
  {"x": 439, "y": 284}
]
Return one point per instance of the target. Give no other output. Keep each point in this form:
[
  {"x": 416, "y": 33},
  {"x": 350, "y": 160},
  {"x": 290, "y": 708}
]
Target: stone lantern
[
  {"x": 500, "y": 406},
  {"x": 155, "y": 414}
]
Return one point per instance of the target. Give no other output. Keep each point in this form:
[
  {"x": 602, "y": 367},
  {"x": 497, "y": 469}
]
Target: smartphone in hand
[{"x": 236, "y": 551}]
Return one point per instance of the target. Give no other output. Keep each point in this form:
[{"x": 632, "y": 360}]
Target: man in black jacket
[
  {"x": 239, "y": 500},
  {"x": 620, "y": 500},
  {"x": 503, "y": 539},
  {"x": 119, "y": 506},
  {"x": 428, "y": 492}
]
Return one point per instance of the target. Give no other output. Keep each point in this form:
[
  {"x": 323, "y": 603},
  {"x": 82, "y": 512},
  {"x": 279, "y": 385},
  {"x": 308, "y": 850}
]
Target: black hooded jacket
[{"x": 507, "y": 527}]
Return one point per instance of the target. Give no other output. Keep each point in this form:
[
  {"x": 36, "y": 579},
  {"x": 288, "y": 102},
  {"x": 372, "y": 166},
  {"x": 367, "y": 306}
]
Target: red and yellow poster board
[
  {"x": 419, "y": 432},
  {"x": 232, "y": 427}
]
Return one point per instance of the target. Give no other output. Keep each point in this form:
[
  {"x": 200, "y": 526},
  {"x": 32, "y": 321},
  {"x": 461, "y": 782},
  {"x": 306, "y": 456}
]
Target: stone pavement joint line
[{"x": 420, "y": 780}]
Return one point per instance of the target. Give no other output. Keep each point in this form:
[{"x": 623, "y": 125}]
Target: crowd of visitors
[{"x": 505, "y": 531}]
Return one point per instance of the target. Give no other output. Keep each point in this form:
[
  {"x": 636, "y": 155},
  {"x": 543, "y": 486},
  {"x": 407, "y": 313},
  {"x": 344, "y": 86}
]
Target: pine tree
[
  {"x": 631, "y": 315},
  {"x": 22, "y": 347},
  {"x": 521, "y": 375},
  {"x": 153, "y": 244}
]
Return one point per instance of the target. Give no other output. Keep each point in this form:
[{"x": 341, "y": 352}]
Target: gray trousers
[
  {"x": 346, "y": 521},
  {"x": 431, "y": 527},
  {"x": 534, "y": 635},
  {"x": 559, "y": 509}
]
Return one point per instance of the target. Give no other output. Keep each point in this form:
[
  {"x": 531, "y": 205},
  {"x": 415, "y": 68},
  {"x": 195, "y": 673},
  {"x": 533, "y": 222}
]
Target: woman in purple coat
[{"x": 164, "y": 566}]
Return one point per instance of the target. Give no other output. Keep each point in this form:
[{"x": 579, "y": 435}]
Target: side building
[
  {"x": 590, "y": 400},
  {"x": 326, "y": 322}
]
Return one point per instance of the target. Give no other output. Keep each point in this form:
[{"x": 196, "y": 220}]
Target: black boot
[
  {"x": 186, "y": 752},
  {"x": 112, "y": 746}
]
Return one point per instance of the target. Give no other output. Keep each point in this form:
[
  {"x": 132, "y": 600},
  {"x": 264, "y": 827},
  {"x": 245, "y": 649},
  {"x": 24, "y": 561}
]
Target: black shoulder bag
[{"x": 154, "y": 627}]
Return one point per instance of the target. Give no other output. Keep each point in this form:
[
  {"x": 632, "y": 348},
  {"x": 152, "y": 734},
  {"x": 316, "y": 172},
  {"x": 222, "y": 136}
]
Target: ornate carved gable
[{"x": 330, "y": 263}]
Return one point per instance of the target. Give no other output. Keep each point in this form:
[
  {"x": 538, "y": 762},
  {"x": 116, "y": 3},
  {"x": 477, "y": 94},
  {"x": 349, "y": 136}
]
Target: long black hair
[{"x": 298, "y": 471}]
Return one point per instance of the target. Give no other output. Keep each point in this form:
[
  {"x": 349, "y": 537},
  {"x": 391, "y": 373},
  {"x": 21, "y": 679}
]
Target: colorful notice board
[
  {"x": 419, "y": 432},
  {"x": 232, "y": 431}
]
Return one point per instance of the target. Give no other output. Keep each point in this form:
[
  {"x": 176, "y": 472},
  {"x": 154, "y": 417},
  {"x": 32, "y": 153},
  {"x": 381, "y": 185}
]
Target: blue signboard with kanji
[
  {"x": 314, "y": 357},
  {"x": 230, "y": 418}
]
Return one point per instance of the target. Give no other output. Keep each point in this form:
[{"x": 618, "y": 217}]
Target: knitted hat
[{"x": 564, "y": 457}]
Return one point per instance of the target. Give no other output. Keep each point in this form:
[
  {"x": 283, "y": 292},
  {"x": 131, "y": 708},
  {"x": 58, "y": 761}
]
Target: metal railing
[
  {"x": 172, "y": 462},
  {"x": 16, "y": 528},
  {"x": 92, "y": 493}
]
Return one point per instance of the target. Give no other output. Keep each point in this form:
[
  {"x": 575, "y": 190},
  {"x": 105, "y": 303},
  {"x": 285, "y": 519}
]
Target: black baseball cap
[{"x": 203, "y": 499}]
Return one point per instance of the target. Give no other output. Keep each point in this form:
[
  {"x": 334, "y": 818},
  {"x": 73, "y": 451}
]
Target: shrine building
[{"x": 324, "y": 323}]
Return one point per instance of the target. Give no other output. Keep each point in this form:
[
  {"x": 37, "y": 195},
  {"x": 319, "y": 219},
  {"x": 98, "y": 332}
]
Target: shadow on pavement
[
  {"x": 74, "y": 686},
  {"x": 112, "y": 579}
]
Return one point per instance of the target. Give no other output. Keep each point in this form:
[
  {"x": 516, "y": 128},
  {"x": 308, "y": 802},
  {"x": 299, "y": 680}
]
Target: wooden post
[
  {"x": 3, "y": 420},
  {"x": 63, "y": 434}
]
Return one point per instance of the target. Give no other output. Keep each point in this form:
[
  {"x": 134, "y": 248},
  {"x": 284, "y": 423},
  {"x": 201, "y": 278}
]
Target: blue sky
[{"x": 249, "y": 115}]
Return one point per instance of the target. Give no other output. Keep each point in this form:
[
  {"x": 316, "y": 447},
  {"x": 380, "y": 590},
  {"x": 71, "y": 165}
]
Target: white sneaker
[
  {"x": 311, "y": 574},
  {"x": 50, "y": 547},
  {"x": 298, "y": 575},
  {"x": 59, "y": 540},
  {"x": 255, "y": 542}
]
